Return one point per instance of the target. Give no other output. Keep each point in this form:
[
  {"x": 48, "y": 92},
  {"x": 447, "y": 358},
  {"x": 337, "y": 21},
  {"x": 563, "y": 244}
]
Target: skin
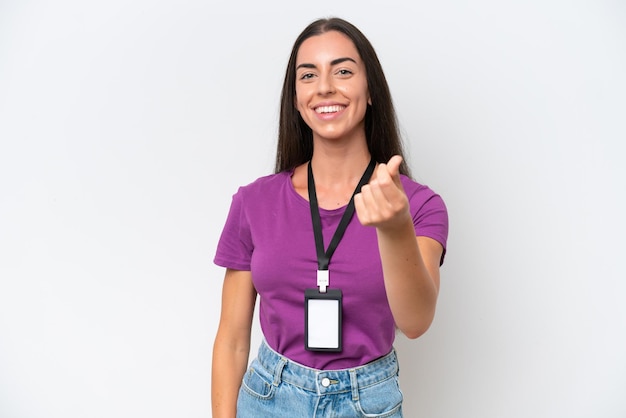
[
  {"x": 330, "y": 76},
  {"x": 232, "y": 342}
]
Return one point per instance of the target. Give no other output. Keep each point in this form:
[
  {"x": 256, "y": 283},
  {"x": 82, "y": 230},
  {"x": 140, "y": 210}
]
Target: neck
[
  {"x": 336, "y": 179},
  {"x": 335, "y": 171},
  {"x": 336, "y": 163}
]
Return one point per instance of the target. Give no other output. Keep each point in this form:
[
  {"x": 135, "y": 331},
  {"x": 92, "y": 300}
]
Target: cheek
[
  {"x": 299, "y": 106},
  {"x": 298, "y": 100},
  {"x": 356, "y": 91}
]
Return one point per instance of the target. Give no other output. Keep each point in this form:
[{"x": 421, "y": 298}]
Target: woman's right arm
[{"x": 232, "y": 342}]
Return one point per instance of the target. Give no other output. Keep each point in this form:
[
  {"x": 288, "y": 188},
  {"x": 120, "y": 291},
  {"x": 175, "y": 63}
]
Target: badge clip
[{"x": 323, "y": 280}]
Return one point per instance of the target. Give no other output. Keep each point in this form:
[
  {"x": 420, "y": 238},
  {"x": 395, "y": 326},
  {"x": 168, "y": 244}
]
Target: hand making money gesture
[{"x": 382, "y": 202}]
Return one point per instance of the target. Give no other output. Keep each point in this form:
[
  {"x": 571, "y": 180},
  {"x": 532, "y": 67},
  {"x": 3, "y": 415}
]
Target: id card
[{"x": 322, "y": 320}]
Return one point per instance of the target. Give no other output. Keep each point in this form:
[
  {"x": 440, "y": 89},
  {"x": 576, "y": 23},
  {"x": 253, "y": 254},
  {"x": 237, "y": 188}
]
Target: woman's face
[{"x": 331, "y": 86}]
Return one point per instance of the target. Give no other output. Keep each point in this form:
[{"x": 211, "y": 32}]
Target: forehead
[{"x": 327, "y": 47}]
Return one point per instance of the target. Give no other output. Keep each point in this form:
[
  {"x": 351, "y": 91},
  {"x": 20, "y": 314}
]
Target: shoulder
[
  {"x": 430, "y": 215},
  {"x": 420, "y": 194},
  {"x": 264, "y": 185}
]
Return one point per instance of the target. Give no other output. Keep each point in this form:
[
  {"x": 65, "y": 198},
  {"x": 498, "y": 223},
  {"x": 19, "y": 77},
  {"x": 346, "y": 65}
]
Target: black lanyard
[{"x": 323, "y": 257}]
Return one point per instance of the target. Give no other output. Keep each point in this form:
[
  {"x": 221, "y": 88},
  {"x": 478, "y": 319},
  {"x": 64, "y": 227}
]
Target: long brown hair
[{"x": 295, "y": 138}]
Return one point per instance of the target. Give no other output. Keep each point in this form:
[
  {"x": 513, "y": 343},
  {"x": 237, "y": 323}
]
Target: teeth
[{"x": 329, "y": 109}]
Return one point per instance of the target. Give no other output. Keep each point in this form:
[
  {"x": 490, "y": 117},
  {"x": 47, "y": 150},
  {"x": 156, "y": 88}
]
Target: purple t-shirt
[{"x": 269, "y": 232}]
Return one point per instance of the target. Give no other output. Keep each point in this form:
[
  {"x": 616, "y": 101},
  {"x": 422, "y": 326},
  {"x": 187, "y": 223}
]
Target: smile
[{"x": 329, "y": 109}]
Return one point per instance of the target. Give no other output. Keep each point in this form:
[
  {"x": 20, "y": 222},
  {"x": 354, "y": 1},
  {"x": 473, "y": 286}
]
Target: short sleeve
[
  {"x": 430, "y": 217},
  {"x": 235, "y": 246}
]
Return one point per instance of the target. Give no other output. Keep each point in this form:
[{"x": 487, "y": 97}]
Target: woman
[{"x": 330, "y": 303}]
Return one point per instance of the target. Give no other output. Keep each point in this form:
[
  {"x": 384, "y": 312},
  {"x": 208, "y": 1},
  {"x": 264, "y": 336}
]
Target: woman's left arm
[{"x": 410, "y": 264}]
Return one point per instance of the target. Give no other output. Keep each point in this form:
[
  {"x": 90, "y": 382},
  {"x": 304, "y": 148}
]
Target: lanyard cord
[{"x": 323, "y": 257}]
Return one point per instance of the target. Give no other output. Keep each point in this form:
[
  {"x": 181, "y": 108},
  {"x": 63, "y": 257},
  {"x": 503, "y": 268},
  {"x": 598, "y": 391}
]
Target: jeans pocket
[
  {"x": 257, "y": 382},
  {"x": 384, "y": 399}
]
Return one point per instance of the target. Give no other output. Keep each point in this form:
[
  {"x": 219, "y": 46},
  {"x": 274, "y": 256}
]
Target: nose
[{"x": 325, "y": 85}]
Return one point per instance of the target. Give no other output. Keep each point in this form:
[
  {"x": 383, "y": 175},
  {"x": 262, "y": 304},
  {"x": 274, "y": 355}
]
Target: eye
[
  {"x": 344, "y": 72},
  {"x": 306, "y": 76}
]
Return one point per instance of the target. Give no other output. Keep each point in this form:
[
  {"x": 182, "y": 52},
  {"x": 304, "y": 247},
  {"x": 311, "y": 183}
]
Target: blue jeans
[{"x": 277, "y": 387}]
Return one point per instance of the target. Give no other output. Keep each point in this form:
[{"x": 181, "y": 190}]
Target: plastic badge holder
[{"x": 323, "y": 320}]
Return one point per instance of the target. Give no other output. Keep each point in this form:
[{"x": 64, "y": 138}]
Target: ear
[{"x": 369, "y": 99}]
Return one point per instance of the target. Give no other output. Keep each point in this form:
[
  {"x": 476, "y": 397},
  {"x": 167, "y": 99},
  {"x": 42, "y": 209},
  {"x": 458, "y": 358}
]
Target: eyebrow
[{"x": 332, "y": 63}]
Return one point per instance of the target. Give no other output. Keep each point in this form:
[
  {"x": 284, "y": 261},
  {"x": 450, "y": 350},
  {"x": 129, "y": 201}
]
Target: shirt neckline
[{"x": 304, "y": 202}]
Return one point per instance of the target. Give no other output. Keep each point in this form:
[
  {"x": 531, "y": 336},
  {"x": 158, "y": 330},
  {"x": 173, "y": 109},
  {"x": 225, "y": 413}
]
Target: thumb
[{"x": 393, "y": 167}]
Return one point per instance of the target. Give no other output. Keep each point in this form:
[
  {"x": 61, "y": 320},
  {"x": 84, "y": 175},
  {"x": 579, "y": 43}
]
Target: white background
[{"x": 126, "y": 126}]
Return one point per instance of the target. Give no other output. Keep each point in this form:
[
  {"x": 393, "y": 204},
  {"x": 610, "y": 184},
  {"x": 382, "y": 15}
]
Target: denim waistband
[{"x": 325, "y": 382}]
